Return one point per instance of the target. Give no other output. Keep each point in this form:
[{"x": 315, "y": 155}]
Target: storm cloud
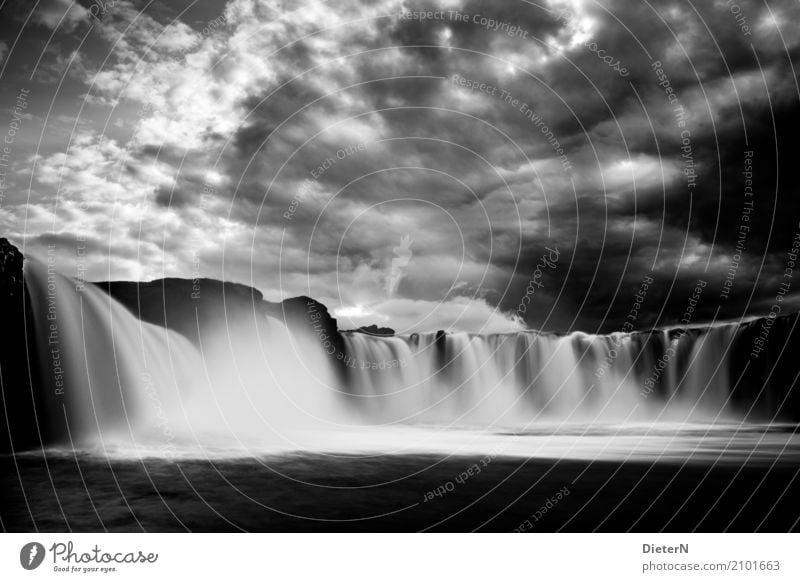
[{"x": 410, "y": 163}]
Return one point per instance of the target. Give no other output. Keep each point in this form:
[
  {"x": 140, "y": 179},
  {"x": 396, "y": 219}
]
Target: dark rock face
[
  {"x": 190, "y": 307},
  {"x": 442, "y": 361},
  {"x": 374, "y": 330},
  {"x": 196, "y": 307},
  {"x": 11, "y": 285},
  {"x": 300, "y": 312},
  {"x": 441, "y": 341},
  {"x": 19, "y": 377},
  {"x": 312, "y": 318},
  {"x": 767, "y": 382}
]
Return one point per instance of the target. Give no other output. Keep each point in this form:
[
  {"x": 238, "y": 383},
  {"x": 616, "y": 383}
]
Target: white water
[
  {"x": 127, "y": 382},
  {"x": 133, "y": 386},
  {"x": 525, "y": 378}
]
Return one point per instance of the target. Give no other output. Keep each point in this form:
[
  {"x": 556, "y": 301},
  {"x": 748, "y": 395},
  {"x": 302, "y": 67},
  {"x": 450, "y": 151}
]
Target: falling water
[
  {"x": 111, "y": 378},
  {"x": 113, "y": 381},
  {"x": 522, "y": 378}
]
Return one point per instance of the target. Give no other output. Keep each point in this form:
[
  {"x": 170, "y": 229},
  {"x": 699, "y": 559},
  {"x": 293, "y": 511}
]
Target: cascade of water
[
  {"x": 112, "y": 377},
  {"x": 504, "y": 379}
]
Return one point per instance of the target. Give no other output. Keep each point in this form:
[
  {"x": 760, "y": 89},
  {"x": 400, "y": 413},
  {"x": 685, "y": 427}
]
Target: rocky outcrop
[
  {"x": 192, "y": 307},
  {"x": 200, "y": 306},
  {"x": 19, "y": 372},
  {"x": 373, "y": 330},
  {"x": 304, "y": 312},
  {"x": 766, "y": 369},
  {"x": 11, "y": 281},
  {"x": 306, "y": 315}
]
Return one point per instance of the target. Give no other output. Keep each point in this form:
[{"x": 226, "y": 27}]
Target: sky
[{"x": 459, "y": 165}]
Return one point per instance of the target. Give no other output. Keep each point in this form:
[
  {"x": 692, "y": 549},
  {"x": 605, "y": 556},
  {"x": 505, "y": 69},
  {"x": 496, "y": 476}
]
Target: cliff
[
  {"x": 22, "y": 406},
  {"x": 196, "y": 307}
]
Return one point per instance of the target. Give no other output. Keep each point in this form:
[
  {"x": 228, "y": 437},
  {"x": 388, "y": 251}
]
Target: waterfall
[
  {"x": 525, "y": 377},
  {"x": 109, "y": 379}
]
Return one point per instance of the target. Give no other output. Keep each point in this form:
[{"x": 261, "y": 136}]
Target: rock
[
  {"x": 11, "y": 279},
  {"x": 374, "y": 330},
  {"x": 441, "y": 349},
  {"x": 196, "y": 307},
  {"x": 304, "y": 312},
  {"x": 309, "y": 316},
  {"x": 192, "y": 307},
  {"x": 764, "y": 368},
  {"x": 21, "y": 407}
]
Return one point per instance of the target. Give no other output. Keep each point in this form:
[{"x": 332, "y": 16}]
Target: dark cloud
[{"x": 557, "y": 149}]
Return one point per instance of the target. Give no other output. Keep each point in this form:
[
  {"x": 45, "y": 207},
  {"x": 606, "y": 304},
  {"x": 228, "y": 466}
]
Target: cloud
[
  {"x": 459, "y": 314},
  {"x": 333, "y": 131},
  {"x": 62, "y": 15}
]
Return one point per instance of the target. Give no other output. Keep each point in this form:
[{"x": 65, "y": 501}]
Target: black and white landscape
[{"x": 399, "y": 266}]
